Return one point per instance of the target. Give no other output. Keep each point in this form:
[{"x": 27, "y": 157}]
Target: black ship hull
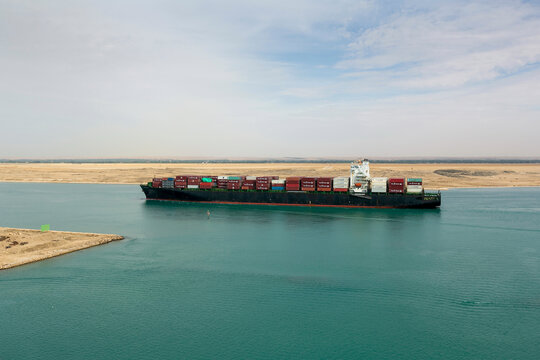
[{"x": 294, "y": 198}]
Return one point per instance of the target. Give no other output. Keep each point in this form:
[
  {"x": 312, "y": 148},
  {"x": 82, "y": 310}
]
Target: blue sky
[{"x": 269, "y": 78}]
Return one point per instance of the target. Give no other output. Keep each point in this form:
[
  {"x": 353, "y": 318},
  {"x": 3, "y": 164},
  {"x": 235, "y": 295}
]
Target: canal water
[{"x": 261, "y": 282}]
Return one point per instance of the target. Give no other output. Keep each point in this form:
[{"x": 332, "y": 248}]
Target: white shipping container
[
  {"x": 193, "y": 186},
  {"x": 377, "y": 180},
  {"x": 414, "y": 189},
  {"x": 278, "y": 181},
  {"x": 251, "y": 178},
  {"x": 378, "y": 189},
  {"x": 223, "y": 177}
]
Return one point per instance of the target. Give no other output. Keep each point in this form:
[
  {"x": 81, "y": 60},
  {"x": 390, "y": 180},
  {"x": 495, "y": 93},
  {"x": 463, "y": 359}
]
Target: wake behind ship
[{"x": 356, "y": 191}]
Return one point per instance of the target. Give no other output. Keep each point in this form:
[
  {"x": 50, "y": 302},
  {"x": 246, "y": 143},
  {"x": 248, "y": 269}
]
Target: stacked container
[
  {"x": 222, "y": 182},
  {"x": 156, "y": 182},
  {"x": 396, "y": 185},
  {"x": 414, "y": 186},
  {"x": 293, "y": 183},
  {"x": 180, "y": 182},
  {"x": 278, "y": 185},
  {"x": 308, "y": 183},
  {"x": 193, "y": 182},
  {"x": 263, "y": 183},
  {"x": 206, "y": 183},
  {"x": 249, "y": 184},
  {"x": 324, "y": 184},
  {"x": 378, "y": 184},
  {"x": 167, "y": 183},
  {"x": 341, "y": 183},
  {"x": 234, "y": 184}
]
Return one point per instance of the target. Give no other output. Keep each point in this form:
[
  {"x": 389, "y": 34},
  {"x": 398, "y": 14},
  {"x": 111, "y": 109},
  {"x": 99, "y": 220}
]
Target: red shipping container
[
  {"x": 395, "y": 191},
  {"x": 194, "y": 180},
  {"x": 308, "y": 188},
  {"x": 341, "y": 189},
  {"x": 396, "y": 181},
  {"x": 234, "y": 185},
  {"x": 206, "y": 185},
  {"x": 324, "y": 189},
  {"x": 180, "y": 184},
  {"x": 293, "y": 179},
  {"x": 156, "y": 183}
]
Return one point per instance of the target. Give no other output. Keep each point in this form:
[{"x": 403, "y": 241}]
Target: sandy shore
[
  {"x": 23, "y": 246},
  {"x": 434, "y": 175}
]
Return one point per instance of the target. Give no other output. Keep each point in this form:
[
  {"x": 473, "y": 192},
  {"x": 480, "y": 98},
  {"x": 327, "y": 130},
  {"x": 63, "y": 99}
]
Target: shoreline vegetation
[
  {"x": 24, "y": 246},
  {"x": 435, "y": 175}
]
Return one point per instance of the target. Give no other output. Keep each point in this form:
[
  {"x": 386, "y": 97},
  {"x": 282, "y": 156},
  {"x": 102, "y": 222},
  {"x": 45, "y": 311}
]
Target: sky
[{"x": 238, "y": 78}]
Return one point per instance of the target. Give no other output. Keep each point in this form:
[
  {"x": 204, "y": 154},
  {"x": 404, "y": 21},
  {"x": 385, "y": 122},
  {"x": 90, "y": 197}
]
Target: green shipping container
[
  {"x": 206, "y": 179},
  {"x": 235, "y": 178},
  {"x": 149, "y": 184},
  {"x": 415, "y": 180}
]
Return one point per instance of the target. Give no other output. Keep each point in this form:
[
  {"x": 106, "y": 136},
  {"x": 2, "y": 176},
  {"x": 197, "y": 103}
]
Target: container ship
[{"x": 359, "y": 190}]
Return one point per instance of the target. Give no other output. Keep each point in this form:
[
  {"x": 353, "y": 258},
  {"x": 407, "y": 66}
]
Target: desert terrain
[
  {"x": 23, "y": 246},
  {"x": 443, "y": 175}
]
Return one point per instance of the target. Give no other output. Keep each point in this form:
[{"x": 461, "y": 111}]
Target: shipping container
[
  {"x": 324, "y": 188},
  {"x": 167, "y": 184},
  {"x": 180, "y": 184},
  {"x": 293, "y": 179},
  {"x": 278, "y": 188},
  {"x": 193, "y": 186},
  {"x": 251, "y": 178},
  {"x": 415, "y": 181},
  {"x": 341, "y": 189},
  {"x": 378, "y": 188},
  {"x": 414, "y": 189},
  {"x": 194, "y": 180},
  {"x": 206, "y": 185}
]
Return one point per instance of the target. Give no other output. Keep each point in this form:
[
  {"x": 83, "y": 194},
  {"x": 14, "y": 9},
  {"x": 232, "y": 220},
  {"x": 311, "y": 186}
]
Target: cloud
[
  {"x": 268, "y": 78},
  {"x": 448, "y": 46}
]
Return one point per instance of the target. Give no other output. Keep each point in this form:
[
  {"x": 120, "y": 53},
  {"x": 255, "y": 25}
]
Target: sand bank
[
  {"x": 442, "y": 175},
  {"x": 23, "y": 246}
]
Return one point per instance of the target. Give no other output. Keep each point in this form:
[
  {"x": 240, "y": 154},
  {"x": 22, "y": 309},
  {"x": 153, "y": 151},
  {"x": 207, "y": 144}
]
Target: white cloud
[
  {"x": 450, "y": 45},
  {"x": 175, "y": 78}
]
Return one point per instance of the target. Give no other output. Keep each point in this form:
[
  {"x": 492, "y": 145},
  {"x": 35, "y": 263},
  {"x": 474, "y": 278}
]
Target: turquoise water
[{"x": 462, "y": 282}]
